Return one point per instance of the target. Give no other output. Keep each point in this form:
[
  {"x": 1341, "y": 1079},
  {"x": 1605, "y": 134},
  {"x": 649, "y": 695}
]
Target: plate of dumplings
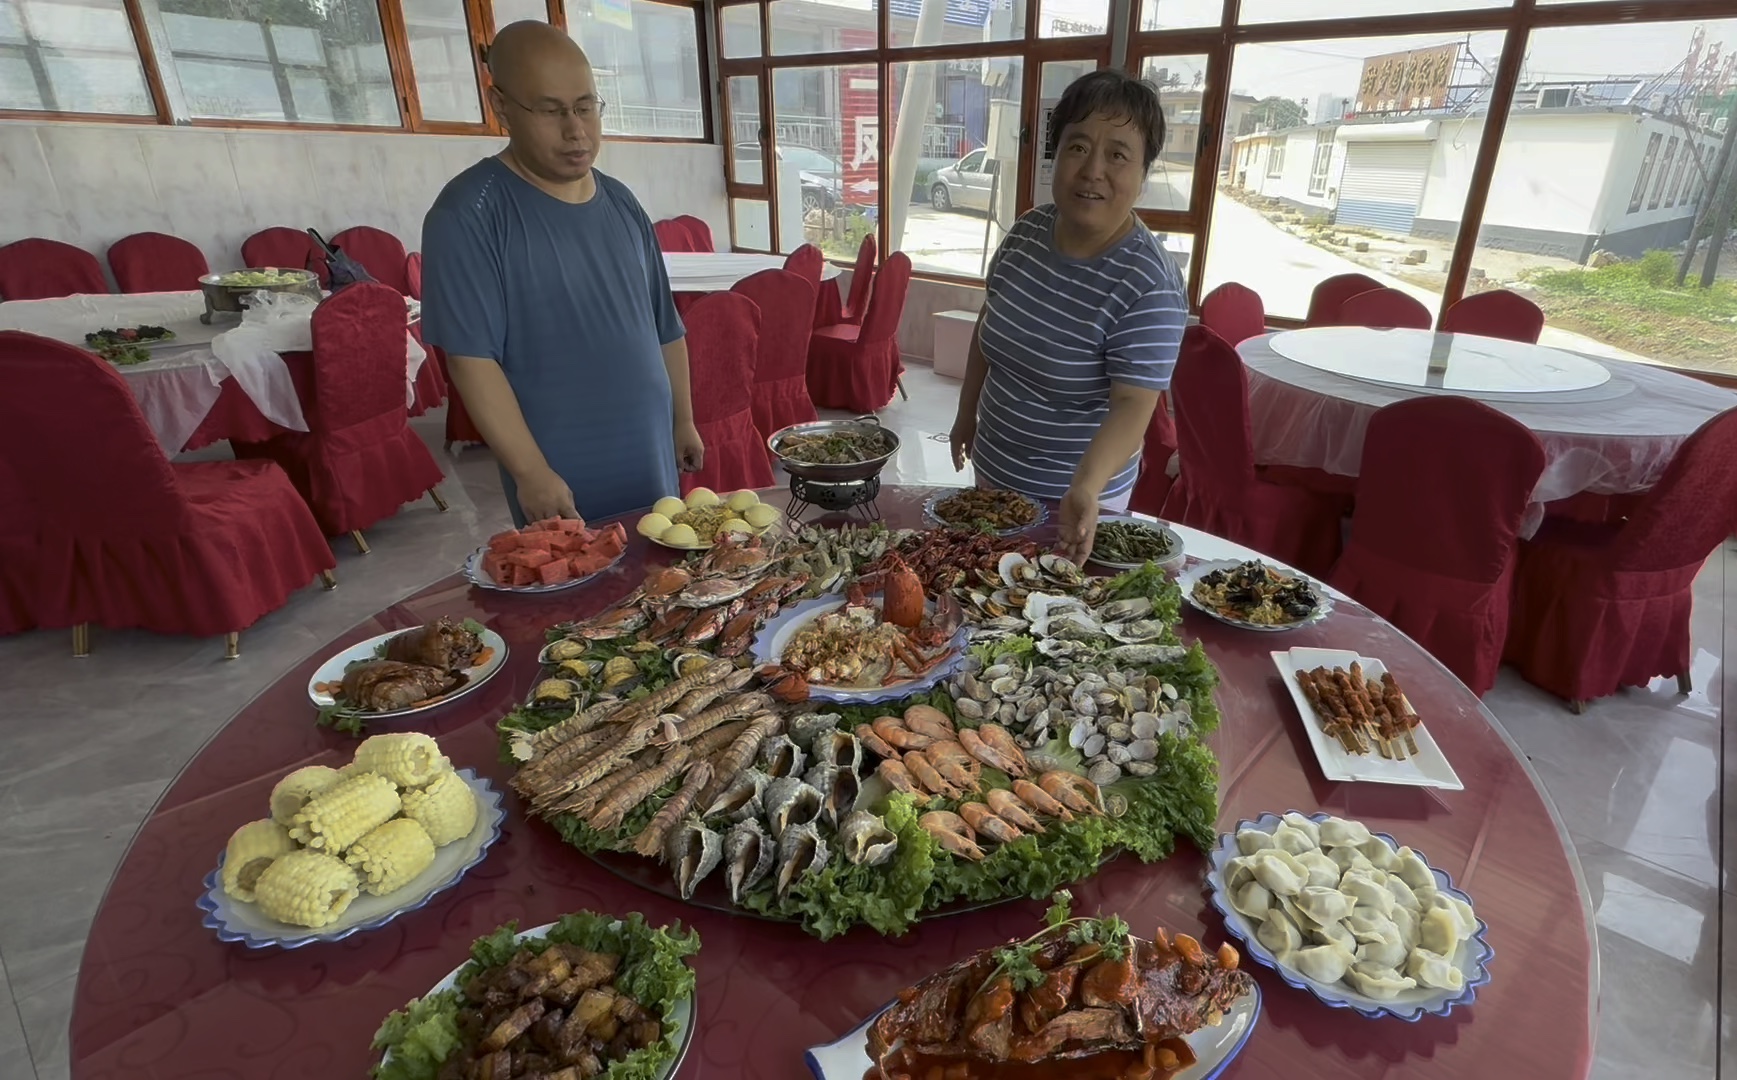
[{"x": 1352, "y": 916}]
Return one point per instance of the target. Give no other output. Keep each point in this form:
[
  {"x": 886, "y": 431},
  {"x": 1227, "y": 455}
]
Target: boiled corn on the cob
[
  {"x": 446, "y": 808},
  {"x": 294, "y": 790},
  {"x": 252, "y": 848},
  {"x": 408, "y": 759},
  {"x": 339, "y": 816},
  {"x": 306, "y": 888},
  {"x": 391, "y": 855}
]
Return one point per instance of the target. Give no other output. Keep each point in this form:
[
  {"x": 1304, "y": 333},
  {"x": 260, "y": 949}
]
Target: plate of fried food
[
  {"x": 1071, "y": 1000},
  {"x": 588, "y": 996},
  {"x": 1360, "y": 723},
  {"x": 1253, "y": 595},
  {"x": 698, "y": 520},
  {"x": 403, "y": 672},
  {"x": 351, "y": 849},
  {"x": 1001, "y": 512}
]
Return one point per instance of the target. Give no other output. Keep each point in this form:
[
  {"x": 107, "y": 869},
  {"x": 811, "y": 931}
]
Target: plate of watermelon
[{"x": 545, "y": 556}]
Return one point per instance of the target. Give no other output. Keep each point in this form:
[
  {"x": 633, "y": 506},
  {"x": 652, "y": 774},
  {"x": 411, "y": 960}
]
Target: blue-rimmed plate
[
  {"x": 235, "y": 920},
  {"x": 1214, "y": 1047},
  {"x": 770, "y": 642},
  {"x": 940, "y": 496},
  {"x": 1472, "y": 957}
]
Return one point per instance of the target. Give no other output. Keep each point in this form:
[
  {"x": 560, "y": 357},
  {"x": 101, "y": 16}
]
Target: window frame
[
  {"x": 1648, "y": 160},
  {"x": 1321, "y": 166}
]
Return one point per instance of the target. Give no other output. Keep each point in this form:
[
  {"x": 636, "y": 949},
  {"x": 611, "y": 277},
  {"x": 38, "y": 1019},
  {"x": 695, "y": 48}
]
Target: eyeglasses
[{"x": 588, "y": 108}]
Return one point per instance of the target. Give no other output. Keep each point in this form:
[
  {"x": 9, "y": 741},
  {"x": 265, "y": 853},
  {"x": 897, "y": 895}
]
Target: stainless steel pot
[
  {"x": 834, "y": 474},
  {"x": 227, "y": 298}
]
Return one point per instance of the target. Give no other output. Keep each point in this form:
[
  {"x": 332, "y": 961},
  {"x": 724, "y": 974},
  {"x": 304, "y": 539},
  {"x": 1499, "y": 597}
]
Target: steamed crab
[{"x": 862, "y": 644}]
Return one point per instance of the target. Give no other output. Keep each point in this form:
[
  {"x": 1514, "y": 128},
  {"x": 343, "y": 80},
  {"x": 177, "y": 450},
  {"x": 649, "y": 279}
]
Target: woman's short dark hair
[{"x": 1113, "y": 93}]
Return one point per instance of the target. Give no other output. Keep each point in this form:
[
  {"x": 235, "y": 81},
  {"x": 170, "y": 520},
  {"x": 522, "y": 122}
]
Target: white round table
[
  {"x": 718, "y": 271},
  {"x": 1609, "y": 436}
]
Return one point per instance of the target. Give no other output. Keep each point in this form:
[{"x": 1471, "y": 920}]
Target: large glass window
[
  {"x": 646, "y": 57},
  {"x": 826, "y": 134},
  {"x": 446, "y": 87},
  {"x": 954, "y": 22},
  {"x": 741, "y": 31},
  {"x": 1394, "y": 123},
  {"x": 1181, "y": 83},
  {"x": 742, "y": 103},
  {"x": 304, "y": 63},
  {"x": 1180, "y": 14},
  {"x": 58, "y": 56},
  {"x": 508, "y": 12},
  {"x": 1268, "y": 11},
  {"x": 956, "y": 127},
  {"x": 823, "y": 26},
  {"x": 1583, "y": 216},
  {"x": 1073, "y": 18}
]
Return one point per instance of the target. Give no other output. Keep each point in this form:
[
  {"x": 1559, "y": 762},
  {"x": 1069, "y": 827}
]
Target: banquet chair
[
  {"x": 1234, "y": 312},
  {"x": 672, "y": 236},
  {"x": 1218, "y": 490},
  {"x": 699, "y": 233},
  {"x": 1152, "y": 485},
  {"x": 285, "y": 248},
  {"x": 723, "y": 337},
  {"x": 834, "y": 309},
  {"x": 358, "y": 462},
  {"x": 858, "y": 367},
  {"x": 379, "y": 252},
  {"x": 156, "y": 262},
  {"x": 38, "y": 269},
  {"x": 1600, "y": 606},
  {"x": 19, "y": 520},
  {"x": 124, "y": 537},
  {"x": 1498, "y": 314},
  {"x": 1385, "y": 309},
  {"x": 1330, "y": 295},
  {"x": 460, "y": 428},
  {"x": 1441, "y": 494},
  {"x": 781, "y": 366},
  {"x": 809, "y": 262},
  {"x": 413, "y": 275}
]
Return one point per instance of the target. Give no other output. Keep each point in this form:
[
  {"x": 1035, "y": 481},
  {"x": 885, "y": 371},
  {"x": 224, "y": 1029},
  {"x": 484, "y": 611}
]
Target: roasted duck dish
[
  {"x": 441, "y": 644},
  {"x": 1082, "y": 999},
  {"x": 386, "y": 685}
]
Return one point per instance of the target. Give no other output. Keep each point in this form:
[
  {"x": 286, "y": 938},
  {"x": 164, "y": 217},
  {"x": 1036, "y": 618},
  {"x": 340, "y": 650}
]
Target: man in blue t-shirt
[{"x": 543, "y": 281}]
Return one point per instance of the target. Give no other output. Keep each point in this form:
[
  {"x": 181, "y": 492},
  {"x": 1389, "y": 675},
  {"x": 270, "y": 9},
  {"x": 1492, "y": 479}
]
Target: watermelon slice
[
  {"x": 535, "y": 541},
  {"x": 529, "y": 558},
  {"x": 524, "y": 575},
  {"x": 507, "y": 541},
  {"x": 500, "y": 571},
  {"x": 571, "y": 525},
  {"x": 589, "y": 563},
  {"x": 554, "y": 572}
]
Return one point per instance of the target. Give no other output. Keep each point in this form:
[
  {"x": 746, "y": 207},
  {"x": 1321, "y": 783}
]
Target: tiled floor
[{"x": 87, "y": 747}]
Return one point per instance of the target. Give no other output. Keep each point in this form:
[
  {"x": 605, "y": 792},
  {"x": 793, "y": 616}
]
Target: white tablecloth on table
[
  {"x": 181, "y": 382},
  {"x": 1613, "y": 439},
  {"x": 708, "y": 271}
]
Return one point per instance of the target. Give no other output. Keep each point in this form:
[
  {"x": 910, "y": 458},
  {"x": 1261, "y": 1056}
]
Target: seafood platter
[
  {"x": 587, "y": 996},
  {"x": 944, "y": 718},
  {"x": 1254, "y": 596},
  {"x": 703, "y": 518},
  {"x": 834, "y": 465},
  {"x": 404, "y": 672},
  {"x": 1004, "y": 513},
  {"x": 350, "y": 849},
  {"x": 1360, "y": 724},
  {"x": 1351, "y": 916},
  {"x": 545, "y": 556}
]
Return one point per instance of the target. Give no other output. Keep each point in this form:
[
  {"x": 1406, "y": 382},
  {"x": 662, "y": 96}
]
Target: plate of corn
[{"x": 351, "y": 849}]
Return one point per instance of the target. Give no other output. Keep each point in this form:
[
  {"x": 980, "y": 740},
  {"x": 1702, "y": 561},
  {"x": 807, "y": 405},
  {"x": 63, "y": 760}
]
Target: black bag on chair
[{"x": 343, "y": 269}]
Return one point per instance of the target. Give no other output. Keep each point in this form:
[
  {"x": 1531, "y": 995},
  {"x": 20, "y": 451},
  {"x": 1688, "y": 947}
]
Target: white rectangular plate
[{"x": 1427, "y": 768}]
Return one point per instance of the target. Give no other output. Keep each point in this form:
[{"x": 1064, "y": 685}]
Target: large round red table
[{"x": 160, "y": 996}]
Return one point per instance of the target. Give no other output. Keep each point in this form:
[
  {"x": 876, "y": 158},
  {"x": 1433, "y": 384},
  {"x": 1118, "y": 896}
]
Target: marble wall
[{"x": 91, "y": 184}]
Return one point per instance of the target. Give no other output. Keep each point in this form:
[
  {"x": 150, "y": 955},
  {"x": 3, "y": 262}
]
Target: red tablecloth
[
  {"x": 159, "y": 996},
  {"x": 235, "y": 416}
]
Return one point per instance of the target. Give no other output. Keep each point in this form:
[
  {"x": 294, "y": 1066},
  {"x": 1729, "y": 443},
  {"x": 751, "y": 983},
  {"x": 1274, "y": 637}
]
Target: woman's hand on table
[
  {"x": 961, "y": 438},
  {"x": 544, "y": 494},
  {"x": 1078, "y": 524}
]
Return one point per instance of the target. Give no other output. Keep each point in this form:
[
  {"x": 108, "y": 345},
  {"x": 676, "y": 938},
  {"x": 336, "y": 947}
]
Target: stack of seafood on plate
[{"x": 405, "y": 672}]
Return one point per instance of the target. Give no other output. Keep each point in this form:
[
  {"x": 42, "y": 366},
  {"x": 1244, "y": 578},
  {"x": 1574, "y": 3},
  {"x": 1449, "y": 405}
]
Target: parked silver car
[
  {"x": 821, "y": 175},
  {"x": 965, "y": 184}
]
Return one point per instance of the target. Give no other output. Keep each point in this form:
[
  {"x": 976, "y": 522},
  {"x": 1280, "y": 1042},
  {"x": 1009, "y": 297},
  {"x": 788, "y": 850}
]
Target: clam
[
  {"x": 1120, "y": 610},
  {"x": 554, "y": 692},
  {"x": 1061, "y": 569},
  {"x": 1117, "y": 731},
  {"x": 1104, "y": 773},
  {"x": 1094, "y": 745},
  {"x": 866, "y": 840},
  {"x": 801, "y": 851},
  {"x": 970, "y": 687},
  {"x": 780, "y": 756},
  {"x": 1015, "y": 569},
  {"x": 688, "y": 661},
  {"x": 1144, "y": 725},
  {"x": 1117, "y": 754},
  {"x": 1004, "y": 686},
  {"x": 1117, "y": 680},
  {"x": 1143, "y": 750},
  {"x": 618, "y": 671},
  {"x": 748, "y": 857},
  {"x": 790, "y": 802},
  {"x": 1042, "y": 761},
  {"x": 1008, "y": 714},
  {"x": 564, "y": 649},
  {"x": 997, "y": 671},
  {"x": 694, "y": 851},
  {"x": 1078, "y": 735},
  {"x": 969, "y": 708},
  {"x": 1142, "y": 768},
  {"x": 742, "y": 799},
  {"x": 1136, "y": 700}
]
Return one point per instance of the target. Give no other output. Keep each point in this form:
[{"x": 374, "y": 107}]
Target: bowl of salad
[{"x": 225, "y": 291}]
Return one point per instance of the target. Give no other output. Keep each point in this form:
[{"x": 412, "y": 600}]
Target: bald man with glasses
[{"x": 544, "y": 284}]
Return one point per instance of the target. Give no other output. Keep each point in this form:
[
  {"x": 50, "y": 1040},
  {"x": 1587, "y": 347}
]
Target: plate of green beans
[{"x": 1127, "y": 543}]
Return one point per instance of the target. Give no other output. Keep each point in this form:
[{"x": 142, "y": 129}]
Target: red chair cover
[
  {"x": 1152, "y": 486},
  {"x": 413, "y": 275},
  {"x": 460, "y": 428},
  {"x": 1218, "y": 490},
  {"x": 808, "y": 262},
  {"x": 156, "y": 262},
  {"x": 723, "y": 336},
  {"x": 359, "y": 462},
  {"x": 699, "y": 233},
  {"x": 1384, "y": 309},
  {"x": 1329, "y": 295},
  {"x": 18, "y": 525},
  {"x": 1441, "y": 493},
  {"x": 781, "y": 368},
  {"x": 38, "y": 269},
  {"x": 379, "y": 252},
  {"x": 671, "y": 236},
  {"x": 1498, "y": 314},
  {"x": 124, "y": 538},
  {"x": 1601, "y": 606},
  {"x": 1234, "y": 312},
  {"x": 834, "y": 309},
  {"x": 858, "y": 367},
  {"x": 285, "y": 248}
]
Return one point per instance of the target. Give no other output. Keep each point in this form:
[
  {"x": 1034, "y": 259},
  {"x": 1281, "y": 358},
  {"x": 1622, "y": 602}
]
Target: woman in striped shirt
[{"x": 1084, "y": 317}]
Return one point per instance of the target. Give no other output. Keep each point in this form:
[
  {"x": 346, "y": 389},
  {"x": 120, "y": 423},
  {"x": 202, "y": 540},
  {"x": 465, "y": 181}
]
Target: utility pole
[
  {"x": 1716, "y": 183},
  {"x": 1721, "y": 226}
]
